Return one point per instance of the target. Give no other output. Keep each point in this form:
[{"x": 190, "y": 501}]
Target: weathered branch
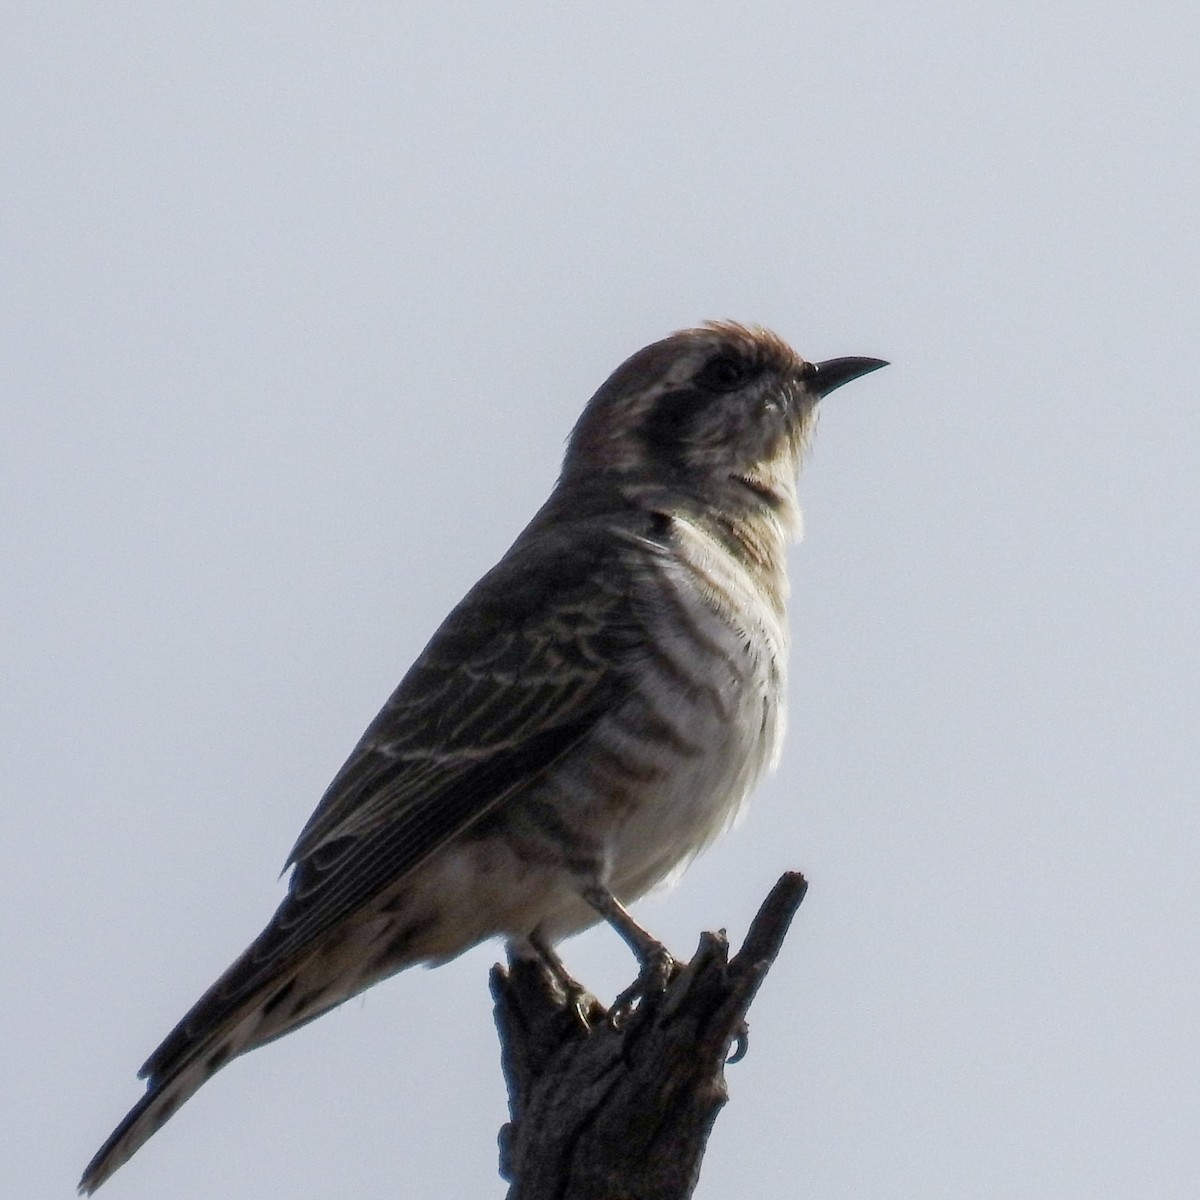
[{"x": 604, "y": 1112}]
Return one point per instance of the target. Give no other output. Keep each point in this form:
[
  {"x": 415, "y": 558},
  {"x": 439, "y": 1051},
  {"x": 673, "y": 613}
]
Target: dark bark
[{"x": 604, "y": 1111}]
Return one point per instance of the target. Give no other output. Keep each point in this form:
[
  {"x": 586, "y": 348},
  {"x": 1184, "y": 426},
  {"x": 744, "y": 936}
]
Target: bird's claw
[
  {"x": 741, "y": 1044},
  {"x": 657, "y": 971},
  {"x": 584, "y": 1006}
]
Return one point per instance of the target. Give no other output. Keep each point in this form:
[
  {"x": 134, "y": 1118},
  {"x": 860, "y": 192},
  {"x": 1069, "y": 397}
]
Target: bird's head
[{"x": 722, "y": 410}]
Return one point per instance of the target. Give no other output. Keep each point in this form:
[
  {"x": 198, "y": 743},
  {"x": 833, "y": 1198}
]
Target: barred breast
[
  {"x": 712, "y": 696},
  {"x": 666, "y": 772}
]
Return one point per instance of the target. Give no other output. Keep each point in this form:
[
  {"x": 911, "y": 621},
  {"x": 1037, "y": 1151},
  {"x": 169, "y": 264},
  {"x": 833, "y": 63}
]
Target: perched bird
[{"x": 589, "y": 717}]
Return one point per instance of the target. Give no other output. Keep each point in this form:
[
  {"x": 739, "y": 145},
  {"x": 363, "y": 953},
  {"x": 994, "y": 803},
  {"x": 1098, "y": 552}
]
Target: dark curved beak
[{"x": 833, "y": 372}]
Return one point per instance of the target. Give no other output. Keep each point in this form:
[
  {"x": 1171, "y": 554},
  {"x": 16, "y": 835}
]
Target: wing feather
[{"x": 516, "y": 677}]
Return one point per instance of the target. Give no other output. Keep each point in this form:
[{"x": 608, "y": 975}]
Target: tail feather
[
  {"x": 255, "y": 1001},
  {"x": 192, "y": 1054},
  {"x": 147, "y": 1116}
]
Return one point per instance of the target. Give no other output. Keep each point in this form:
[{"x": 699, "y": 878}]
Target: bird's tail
[
  {"x": 146, "y": 1117},
  {"x": 226, "y": 1022},
  {"x": 166, "y": 1092}
]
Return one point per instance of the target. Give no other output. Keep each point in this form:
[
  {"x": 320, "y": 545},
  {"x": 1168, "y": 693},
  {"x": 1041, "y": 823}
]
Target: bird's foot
[
  {"x": 657, "y": 970},
  {"x": 586, "y": 1007},
  {"x": 579, "y": 1000},
  {"x": 656, "y": 966}
]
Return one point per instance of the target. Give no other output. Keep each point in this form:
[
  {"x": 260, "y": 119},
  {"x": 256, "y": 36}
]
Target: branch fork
[{"x": 622, "y": 1110}]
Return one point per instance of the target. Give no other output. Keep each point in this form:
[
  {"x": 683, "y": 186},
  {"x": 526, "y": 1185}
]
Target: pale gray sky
[{"x": 299, "y": 306}]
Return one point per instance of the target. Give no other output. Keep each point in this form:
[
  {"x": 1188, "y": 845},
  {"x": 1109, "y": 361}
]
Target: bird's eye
[{"x": 724, "y": 373}]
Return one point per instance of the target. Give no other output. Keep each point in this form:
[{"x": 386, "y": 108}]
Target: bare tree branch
[{"x": 623, "y": 1112}]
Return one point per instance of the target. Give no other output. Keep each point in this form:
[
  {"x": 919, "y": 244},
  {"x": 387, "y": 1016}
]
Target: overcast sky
[{"x": 300, "y": 303}]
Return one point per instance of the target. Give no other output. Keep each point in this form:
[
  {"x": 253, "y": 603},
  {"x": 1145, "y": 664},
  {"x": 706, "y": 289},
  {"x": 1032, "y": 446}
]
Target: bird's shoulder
[{"x": 564, "y": 559}]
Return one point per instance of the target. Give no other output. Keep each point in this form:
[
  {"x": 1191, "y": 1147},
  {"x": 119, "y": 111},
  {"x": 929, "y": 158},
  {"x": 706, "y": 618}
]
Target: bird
[{"x": 590, "y": 716}]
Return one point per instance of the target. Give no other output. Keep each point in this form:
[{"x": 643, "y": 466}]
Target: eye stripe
[{"x": 668, "y": 421}]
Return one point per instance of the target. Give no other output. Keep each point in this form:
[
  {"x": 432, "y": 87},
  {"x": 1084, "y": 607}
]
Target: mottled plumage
[{"x": 587, "y": 719}]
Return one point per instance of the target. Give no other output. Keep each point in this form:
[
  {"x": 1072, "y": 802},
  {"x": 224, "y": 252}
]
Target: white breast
[{"x": 715, "y": 673}]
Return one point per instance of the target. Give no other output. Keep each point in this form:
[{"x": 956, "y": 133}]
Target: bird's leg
[
  {"x": 656, "y": 962},
  {"x": 647, "y": 947},
  {"x": 585, "y": 1005}
]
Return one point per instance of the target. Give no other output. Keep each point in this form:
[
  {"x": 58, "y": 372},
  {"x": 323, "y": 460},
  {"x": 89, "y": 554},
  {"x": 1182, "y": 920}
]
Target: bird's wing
[{"x": 519, "y": 674}]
